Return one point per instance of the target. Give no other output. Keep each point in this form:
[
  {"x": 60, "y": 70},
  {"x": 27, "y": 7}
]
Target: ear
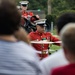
[
  {"x": 65, "y": 50},
  {"x": 66, "y": 53}
]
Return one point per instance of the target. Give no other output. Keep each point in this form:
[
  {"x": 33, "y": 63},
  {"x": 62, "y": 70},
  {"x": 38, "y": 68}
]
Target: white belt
[{"x": 42, "y": 52}]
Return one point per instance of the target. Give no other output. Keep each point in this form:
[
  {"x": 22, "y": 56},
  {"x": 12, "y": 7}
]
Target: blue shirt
[{"x": 18, "y": 58}]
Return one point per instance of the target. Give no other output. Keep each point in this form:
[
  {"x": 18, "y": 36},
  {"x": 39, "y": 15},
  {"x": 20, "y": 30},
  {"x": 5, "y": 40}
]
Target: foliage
[
  {"x": 58, "y": 6},
  {"x": 50, "y": 18},
  {"x": 71, "y": 3},
  {"x": 64, "y": 11},
  {"x": 36, "y": 4}
]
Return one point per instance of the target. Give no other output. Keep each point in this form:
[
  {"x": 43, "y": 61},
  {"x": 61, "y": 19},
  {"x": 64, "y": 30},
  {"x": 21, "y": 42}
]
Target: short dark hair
[
  {"x": 9, "y": 17},
  {"x": 64, "y": 19},
  {"x": 24, "y": 5}
]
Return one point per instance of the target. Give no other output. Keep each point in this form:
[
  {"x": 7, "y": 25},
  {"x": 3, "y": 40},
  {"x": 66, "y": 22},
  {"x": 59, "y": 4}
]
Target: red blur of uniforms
[
  {"x": 34, "y": 36},
  {"x": 27, "y": 14},
  {"x": 65, "y": 70}
]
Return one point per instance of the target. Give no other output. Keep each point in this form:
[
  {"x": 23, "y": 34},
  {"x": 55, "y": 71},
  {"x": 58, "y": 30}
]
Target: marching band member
[
  {"x": 24, "y": 6},
  {"x": 40, "y": 34},
  {"x": 26, "y": 17}
]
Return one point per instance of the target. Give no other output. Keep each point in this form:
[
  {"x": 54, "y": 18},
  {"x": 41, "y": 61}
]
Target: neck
[
  {"x": 23, "y": 10},
  {"x": 72, "y": 61},
  {"x": 8, "y": 38},
  {"x": 72, "y": 58},
  {"x": 40, "y": 32}
]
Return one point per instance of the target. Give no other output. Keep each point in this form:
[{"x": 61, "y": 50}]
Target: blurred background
[{"x": 51, "y": 10}]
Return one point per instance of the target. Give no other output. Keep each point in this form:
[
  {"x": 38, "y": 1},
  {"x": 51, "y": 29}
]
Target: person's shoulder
[
  {"x": 57, "y": 71},
  {"x": 24, "y": 45},
  {"x": 55, "y": 59},
  {"x": 26, "y": 49},
  {"x": 30, "y": 12},
  {"x": 48, "y": 33},
  {"x": 32, "y": 33},
  {"x": 61, "y": 70}
]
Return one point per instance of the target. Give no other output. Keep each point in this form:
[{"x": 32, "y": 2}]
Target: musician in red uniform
[
  {"x": 24, "y": 6},
  {"x": 26, "y": 15},
  {"x": 40, "y": 34}
]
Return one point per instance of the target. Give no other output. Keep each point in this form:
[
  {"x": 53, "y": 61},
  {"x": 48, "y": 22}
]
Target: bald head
[{"x": 67, "y": 36}]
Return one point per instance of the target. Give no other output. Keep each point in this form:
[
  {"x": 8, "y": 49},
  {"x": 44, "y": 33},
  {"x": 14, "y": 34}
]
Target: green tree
[
  {"x": 59, "y": 5},
  {"x": 71, "y": 4}
]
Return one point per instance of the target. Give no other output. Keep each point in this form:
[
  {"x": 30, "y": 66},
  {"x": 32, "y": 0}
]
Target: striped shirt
[{"x": 18, "y": 58}]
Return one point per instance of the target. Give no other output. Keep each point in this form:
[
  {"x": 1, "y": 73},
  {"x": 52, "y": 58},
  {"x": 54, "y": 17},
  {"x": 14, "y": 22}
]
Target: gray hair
[{"x": 67, "y": 36}]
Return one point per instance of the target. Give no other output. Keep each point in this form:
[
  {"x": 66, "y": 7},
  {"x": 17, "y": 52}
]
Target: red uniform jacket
[
  {"x": 27, "y": 14},
  {"x": 66, "y": 70},
  {"x": 37, "y": 36}
]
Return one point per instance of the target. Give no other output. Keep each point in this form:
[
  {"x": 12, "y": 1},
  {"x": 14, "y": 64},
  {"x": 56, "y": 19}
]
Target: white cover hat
[
  {"x": 23, "y": 2},
  {"x": 41, "y": 22}
]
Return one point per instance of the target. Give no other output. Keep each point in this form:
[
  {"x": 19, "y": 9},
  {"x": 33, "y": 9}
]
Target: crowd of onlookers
[{"x": 19, "y": 57}]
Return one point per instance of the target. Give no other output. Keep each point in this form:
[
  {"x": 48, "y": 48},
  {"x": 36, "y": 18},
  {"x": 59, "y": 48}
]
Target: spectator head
[
  {"x": 67, "y": 35},
  {"x": 64, "y": 19},
  {"x": 9, "y": 17}
]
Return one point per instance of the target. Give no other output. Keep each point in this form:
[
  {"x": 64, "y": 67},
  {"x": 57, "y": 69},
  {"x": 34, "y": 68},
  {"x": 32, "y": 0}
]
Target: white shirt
[
  {"x": 18, "y": 58},
  {"x": 55, "y": 60}
]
